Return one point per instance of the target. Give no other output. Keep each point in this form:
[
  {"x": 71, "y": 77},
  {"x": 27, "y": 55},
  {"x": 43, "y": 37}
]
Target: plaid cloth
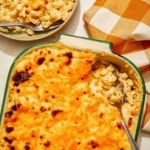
[{"x": 127, "y": 25}]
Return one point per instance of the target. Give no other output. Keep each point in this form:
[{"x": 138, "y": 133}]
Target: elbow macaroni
[
  {"x": 45, "y": 12},
  {"x": 104, "y": 83},
  {"x": 65, "y": 102}
]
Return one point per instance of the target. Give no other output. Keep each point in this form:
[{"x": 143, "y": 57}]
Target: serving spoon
[
  {"x": 36, "y": 28},
  {"x": 120, "y": 103},
  {"x": 119, "y": 106}
]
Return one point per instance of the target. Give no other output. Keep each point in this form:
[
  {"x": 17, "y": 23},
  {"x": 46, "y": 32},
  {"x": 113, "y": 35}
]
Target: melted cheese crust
[{"x": 51, "y": 105}]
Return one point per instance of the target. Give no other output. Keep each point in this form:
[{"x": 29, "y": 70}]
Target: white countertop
[{"x": 76, "y": 27}]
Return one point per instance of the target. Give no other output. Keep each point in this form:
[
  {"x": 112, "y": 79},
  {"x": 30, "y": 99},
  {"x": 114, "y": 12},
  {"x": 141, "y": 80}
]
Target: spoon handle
[
  {"x": 132, "y": 142},
  {"x": 8, "y": 24}
]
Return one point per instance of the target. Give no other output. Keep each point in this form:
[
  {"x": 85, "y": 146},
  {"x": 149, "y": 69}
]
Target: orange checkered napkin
[{"x": 127, "y": 25}]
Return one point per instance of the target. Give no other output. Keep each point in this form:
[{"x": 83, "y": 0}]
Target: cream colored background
[{"x": 76, "y": 27}]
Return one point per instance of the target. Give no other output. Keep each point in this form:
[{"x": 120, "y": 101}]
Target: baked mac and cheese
[{"x": 57, "y": 100}]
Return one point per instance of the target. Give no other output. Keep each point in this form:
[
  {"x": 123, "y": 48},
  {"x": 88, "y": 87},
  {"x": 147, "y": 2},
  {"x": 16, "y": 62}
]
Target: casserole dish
[{"x": 54, "y": 93}]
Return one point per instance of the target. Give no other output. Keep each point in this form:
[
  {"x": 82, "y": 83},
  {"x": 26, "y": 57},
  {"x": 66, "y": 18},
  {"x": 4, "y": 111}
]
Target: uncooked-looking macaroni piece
[
  {"x": 57, "y": 101},
  {"x": 35, "y": 12}
]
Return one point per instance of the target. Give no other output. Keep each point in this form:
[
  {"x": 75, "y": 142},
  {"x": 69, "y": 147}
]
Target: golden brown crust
[{"x": 50, "y": 105}]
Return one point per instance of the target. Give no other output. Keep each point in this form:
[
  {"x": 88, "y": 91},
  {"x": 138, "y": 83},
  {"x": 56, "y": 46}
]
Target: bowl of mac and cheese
[{"x": 35, "y": 12}]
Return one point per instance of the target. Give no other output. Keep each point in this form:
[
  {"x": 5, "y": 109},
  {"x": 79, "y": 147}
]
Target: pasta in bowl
[{"x": 35, "y": 12}]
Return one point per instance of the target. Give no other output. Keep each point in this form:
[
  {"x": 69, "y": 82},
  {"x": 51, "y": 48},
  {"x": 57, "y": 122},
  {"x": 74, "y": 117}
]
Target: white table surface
[{"x": 76, "y": 27}]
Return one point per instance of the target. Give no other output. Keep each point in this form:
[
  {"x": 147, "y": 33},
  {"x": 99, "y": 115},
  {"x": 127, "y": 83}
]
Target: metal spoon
[
  {"x": 37, "y": 28},
  {"x": 119, "y": 104}
]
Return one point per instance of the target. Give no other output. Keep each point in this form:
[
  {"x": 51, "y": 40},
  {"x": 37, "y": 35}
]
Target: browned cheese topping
[{"x": 56, "y": 101}]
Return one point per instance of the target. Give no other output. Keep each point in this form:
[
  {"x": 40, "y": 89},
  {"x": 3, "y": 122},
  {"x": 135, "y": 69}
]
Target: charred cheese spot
[
  {"x": 56, "y": 112},
  {"x": 93, "y": 144},
  {"x": 18, "y": 90},
  {"x": 12, "y": 148},
  {"x": 27, "y": 147},
  {"x": 9, "y": 141},
  {"x": 43, "y": 109},
  {"x": 119, "y": 125},
  {"x": 47, "y": 144},
  {"x": 101, "y": 115},
  {"x": 9, "y": 129},
  {"x": 69, "y": 56},
  {"x": 8, "y": 114},
  {"x": 130, "y": 121},
  {"x": 40, "y": 60},
  {"x": 14, "y": 107},
  {"x": 20, "y": 77}
]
